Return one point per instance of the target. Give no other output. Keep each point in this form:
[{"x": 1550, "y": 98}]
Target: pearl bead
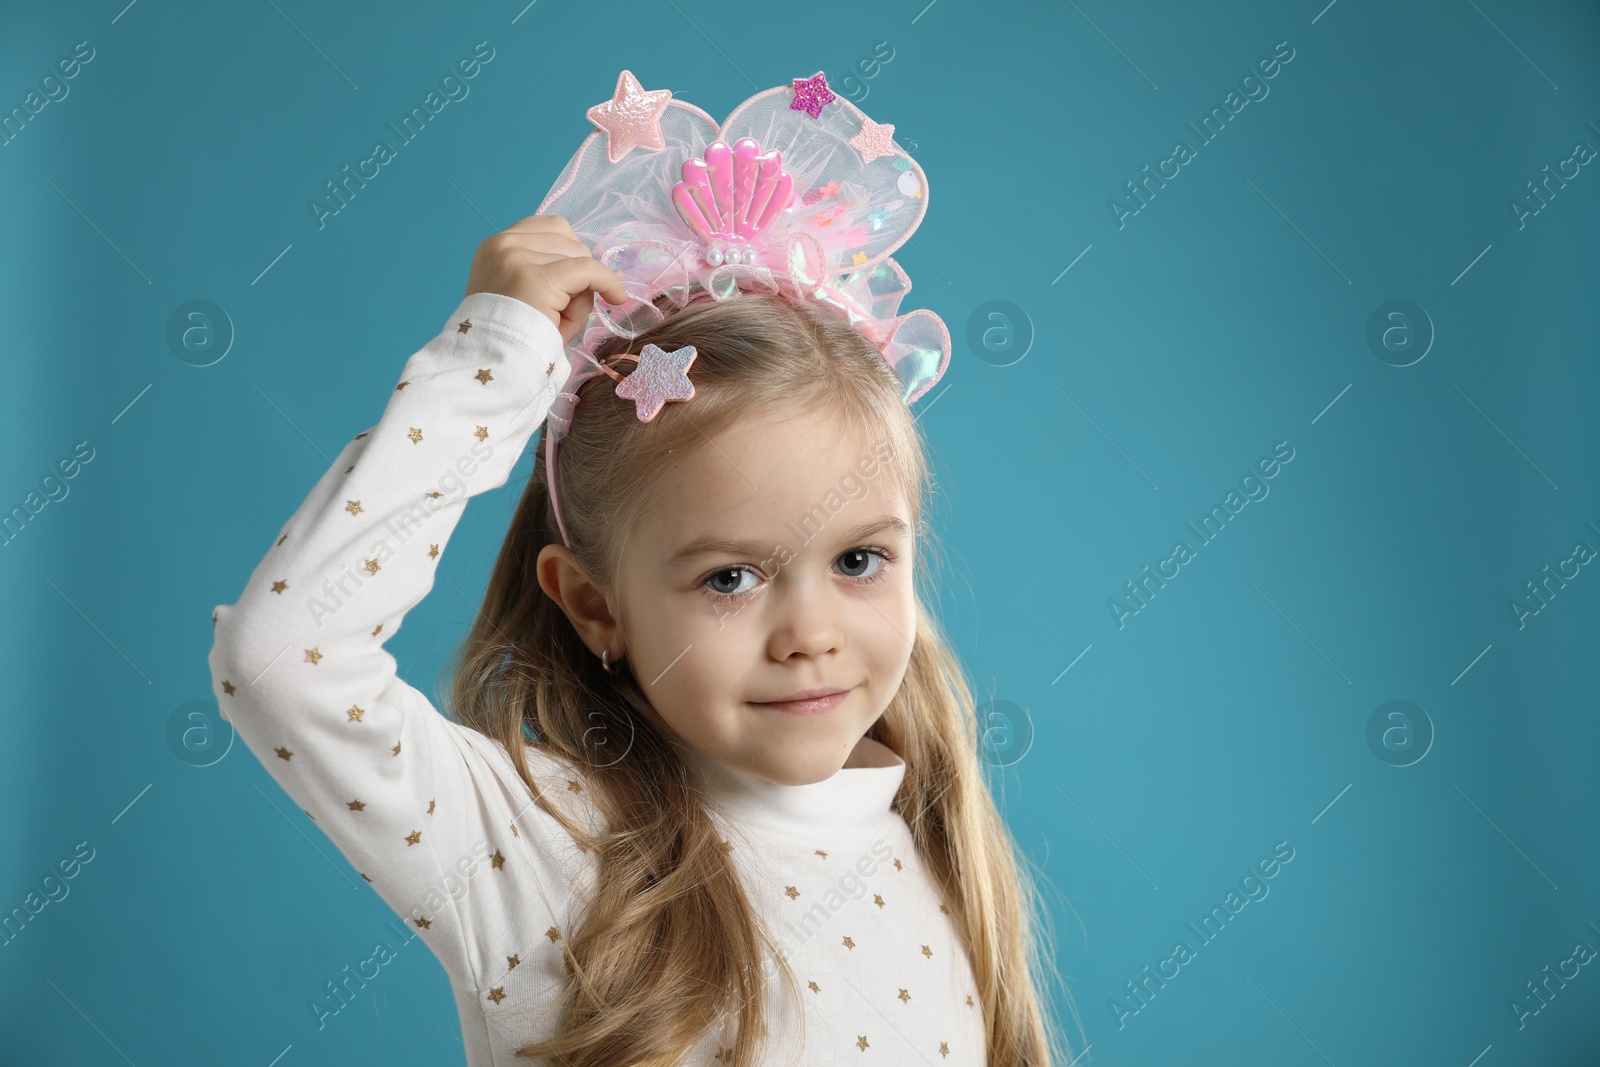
[{"x": 714, "y": 256}]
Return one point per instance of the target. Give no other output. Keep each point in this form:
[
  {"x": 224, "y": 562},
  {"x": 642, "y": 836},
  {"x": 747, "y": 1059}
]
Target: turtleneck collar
[{"x": 847, "y": 808}]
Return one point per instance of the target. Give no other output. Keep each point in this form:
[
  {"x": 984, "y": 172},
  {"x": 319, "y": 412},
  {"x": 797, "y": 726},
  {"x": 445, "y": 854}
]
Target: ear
[{"x": 589, "y": 607}]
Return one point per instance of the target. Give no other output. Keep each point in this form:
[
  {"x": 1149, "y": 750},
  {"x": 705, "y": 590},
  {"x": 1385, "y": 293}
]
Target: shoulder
[
  {"x": 548, "y": 769},
  {"x": 562, "y": 783}
]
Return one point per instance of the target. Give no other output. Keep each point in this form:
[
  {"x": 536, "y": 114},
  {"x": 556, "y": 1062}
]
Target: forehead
[{"x": 768, "y": 471}]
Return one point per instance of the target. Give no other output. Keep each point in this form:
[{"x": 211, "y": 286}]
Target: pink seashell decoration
[{"x": 730, "y": 199}]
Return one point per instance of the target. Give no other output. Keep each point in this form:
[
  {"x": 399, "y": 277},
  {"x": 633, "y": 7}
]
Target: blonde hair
[{"x": 668, "y": 944}]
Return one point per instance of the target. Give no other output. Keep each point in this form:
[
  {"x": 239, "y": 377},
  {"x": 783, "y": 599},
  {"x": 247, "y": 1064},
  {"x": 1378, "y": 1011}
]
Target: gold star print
[
  {"x": 861, "y": 1042},
  {"x": 944, "y": 909},
  {"x": 878, "y": 900},
  {"x": 815, "y": 988},
  {"x": 551, "y": 369},
  {"x": 353, "y": 506},
  {"x": 415, "y": 434},
  {"x": 790, "y": 891},
  {"x": 858, "y": 259},
  {"x": 284, "y": 753},
  {"x": 553, "y": 934},
  {"x": 969, "y": 1000},
  {"x": 356, "y": 805},
  {"x": 512, "y": 961},
  {"x": 514, "y": 830},
  {"x": 396, "y": 748},
  {"x": 497, "y": 994},
  {"x": 464, "y": 325},
  {"x": 497, "y": 861},
  {"x": 430, "y": 807},
  {"x": 372, "y": 566},
  {"x": 905, "y": 997},
  {"x": 355, "y": 713},
  {"x": 727, "y": 846},
  {"x": 376, "y": 629},
  {"x": 848, "y": 942},
  {"x": 574, "y": 787},
  {"x": 484, "y": 376},
  {"x": 928, "y": 952},
  {"x": 433, "y": 495},
  {"x": 724, "y": 1054},
  {"x": 312, "y": 655},
  {"x": 423, "y": 923},
  {"x": 821, "y": 853},
  {"x": 279, "y": 586},
  {"x": 944, "y": 1048},
  {"x": 402, "y": 385},
  {"x": 413, "y": 837},
  {"x": 281, "y": 540},
  {"x": 227, "y": 687},
  {"x": 481, "y": 432},
  {"x": 897, "y": 864}
]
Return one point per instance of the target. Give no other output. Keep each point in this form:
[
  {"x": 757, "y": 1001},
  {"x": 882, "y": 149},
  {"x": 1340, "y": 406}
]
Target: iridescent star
[
  {"x": 811, "y": 94},
  {"x": 660, "y": 376},
  {"x": 632, "y": 117},
  {"x": 874, "y": 140}
]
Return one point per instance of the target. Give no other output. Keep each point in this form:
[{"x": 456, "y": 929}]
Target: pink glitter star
[
  {"x": 874, "y": 140},
  {"x": 660, "y": 376},
  {"x": 811, "y": 94},
  {"x": 632, "y": 117}
]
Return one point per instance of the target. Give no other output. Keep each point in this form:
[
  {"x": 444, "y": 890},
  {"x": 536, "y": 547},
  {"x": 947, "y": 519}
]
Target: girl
[{"x": 705, "y": 736}]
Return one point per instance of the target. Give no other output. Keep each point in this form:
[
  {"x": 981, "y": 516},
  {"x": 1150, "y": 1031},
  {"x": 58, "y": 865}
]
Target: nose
[{"x": 807, "y": 621}]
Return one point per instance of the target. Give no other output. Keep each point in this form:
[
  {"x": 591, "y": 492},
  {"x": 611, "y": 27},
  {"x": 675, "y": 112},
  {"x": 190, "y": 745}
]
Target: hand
[{"x": 541, "y": 261}]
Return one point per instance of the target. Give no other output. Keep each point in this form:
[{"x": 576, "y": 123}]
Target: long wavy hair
[{"x": 668, "y": 945}]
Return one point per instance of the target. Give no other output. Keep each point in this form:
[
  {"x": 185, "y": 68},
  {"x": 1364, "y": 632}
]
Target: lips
[{"x": 806, "y": 702}]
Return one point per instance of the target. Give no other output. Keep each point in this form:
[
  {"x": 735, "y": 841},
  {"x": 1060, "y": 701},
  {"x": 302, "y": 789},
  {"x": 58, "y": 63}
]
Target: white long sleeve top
[{"x": 433, "y": 815}]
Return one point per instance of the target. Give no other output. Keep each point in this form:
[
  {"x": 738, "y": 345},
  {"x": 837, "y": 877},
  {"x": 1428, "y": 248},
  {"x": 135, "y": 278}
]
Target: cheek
[
  {"x": 896, "y": 605},
  {"x": 687, "y": 649}
]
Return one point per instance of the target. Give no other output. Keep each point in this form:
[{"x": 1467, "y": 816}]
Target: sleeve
[{"x": 423, "y": 807}]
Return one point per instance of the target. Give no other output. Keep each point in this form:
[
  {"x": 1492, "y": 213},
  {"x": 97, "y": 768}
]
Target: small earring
[{"x": 605, "y": 661}]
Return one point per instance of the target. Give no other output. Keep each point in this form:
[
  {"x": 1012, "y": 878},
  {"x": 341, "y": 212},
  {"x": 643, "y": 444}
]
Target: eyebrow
[{"x": 713, "y": 544}]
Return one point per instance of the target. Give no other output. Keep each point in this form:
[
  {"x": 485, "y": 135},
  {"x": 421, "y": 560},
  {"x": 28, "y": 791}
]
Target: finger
[
  {"x": 542, "y": 224},
  {"x": 547, "y": 242},
  {"x": 580, "y": 275},
  {"x": 581, "y": 307}
]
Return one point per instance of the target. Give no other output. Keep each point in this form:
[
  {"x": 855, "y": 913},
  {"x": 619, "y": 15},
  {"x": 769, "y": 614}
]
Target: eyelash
[{"x": 886, "y": 558}]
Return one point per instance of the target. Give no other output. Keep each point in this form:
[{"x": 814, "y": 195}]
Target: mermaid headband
[{"x": 796, "y": 193}]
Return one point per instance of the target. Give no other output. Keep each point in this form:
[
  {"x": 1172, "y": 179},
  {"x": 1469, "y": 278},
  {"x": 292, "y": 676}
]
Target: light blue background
[{"x": 1229, "y": 314}]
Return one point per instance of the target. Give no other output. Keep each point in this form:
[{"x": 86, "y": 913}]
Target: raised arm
[{"x": 421, "y": 806}]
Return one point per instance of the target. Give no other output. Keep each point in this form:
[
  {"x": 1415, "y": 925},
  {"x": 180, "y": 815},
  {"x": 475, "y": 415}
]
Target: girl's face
[{"x": 777, "y": 565}]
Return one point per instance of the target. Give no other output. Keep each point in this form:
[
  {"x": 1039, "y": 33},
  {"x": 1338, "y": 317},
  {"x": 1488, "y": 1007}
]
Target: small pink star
[
  {"x": 660, "y": 376},
  {"x": 874, "y": 140},
  {"x": 632, "y": 117},
  {"x": 811, "y": 94}
]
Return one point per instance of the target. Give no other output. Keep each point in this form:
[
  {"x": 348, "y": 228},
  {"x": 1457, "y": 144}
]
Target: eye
[
  {"x": 863, "y": 564},
  {"x": 730, "y": 581}
]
